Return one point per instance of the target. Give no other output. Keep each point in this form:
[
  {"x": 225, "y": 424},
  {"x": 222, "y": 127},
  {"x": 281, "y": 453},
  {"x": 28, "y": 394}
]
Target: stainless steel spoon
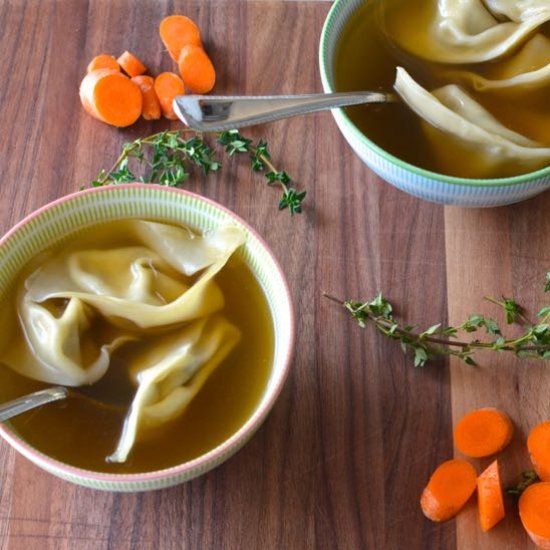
[
  {"x": 49, "y": 395},
  {"x": 32, "y": 400},
  {"x": 219, "y": 113}
]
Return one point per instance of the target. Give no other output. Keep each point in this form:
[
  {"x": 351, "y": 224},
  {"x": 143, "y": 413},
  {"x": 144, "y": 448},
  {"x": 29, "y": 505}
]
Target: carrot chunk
[
  {"x": 448, "y": 490},
  {"x": 167, "y": 87},
  {"x": 177, "y": 31},
  {"x": 131, "y": 65},
  {"x": 489, "y": 497},
  {"x": 103, "y": 61},
  {"x": 151, "y": 106},
  {"x": 483, "y": 432},
  {"x": 538, "y": 444},
  {"x": 111, "y": 97},
  {"x": 534, "y": 511},
  {"x": 196, "y": 70}
]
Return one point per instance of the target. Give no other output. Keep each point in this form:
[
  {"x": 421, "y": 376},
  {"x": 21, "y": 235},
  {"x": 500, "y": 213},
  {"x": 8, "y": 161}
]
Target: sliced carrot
[
  {"x": 103, "y": 61},
  {"x": 534, "y": 511},
  {"x": 131, "y": 65},
  {"x": 448, "y": 490},
  {"x": 196, "y": 70},
  {"x": 151, "y": 105},
  {"x": 538, "y": 444},
  {"x": 489, "y": 497},
  {"x": 167, "y": 87},
  {"x": 111, "y": 97},
  {"x": 483, "y": 432},
  {"x": 177, "y": 31}
]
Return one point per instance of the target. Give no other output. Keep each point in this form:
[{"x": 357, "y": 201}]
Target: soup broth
[
  {"x": 82, "y": 432},
  {"x": 366, "y": 59}
]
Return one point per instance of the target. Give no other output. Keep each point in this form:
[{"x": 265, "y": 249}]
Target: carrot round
[
  {"x": 131, "y": 65},
  {"x": 534, "y": 511},
  {"x": 538, "y": 444},
  {"x": 448, "y": 490},
  {"x": 177, "y": 31},
  {"x": 167, "y": 87},
  {"x": 196, "y": 70},
  {"x": 103, "y": 61},
  {"x": 151, "y": 105},
  {"x": 111, "y": 97},
  {"x": 483, "y": 432},
  {"x": 489, "y": 497}
]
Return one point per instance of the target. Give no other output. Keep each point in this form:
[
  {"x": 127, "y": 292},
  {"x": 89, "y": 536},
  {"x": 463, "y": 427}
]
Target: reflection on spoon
[{"x": 219, "y": 113}]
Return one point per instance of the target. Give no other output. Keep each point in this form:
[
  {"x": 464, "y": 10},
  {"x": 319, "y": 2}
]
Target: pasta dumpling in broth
[
  {"x": 528, "y": 69},
  {"x": 171, "y": 374},
  {"x": 466, "y": 31},
  {"x": 151, "y": 293},
  {"x": 457, "y": 124}
]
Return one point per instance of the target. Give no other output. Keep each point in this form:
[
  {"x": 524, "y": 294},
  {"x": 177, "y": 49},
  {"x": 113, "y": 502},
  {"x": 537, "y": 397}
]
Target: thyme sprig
[
  {"x": 528, "y": 477},
  {"x": 441, "y": 340},
  {"x": 166, "y": 158},
  {"x": 260, "y": 159}
]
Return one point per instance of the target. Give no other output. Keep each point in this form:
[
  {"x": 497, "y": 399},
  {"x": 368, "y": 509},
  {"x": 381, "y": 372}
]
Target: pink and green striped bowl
[{"x": 64, "y": 218}]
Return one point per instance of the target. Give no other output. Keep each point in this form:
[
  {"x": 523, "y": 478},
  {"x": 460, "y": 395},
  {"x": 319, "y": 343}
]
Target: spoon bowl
[{"x": 49, "y": 395}]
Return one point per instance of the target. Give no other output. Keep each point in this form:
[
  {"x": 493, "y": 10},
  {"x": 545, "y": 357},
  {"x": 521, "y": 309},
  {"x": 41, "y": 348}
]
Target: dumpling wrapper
[
  {"x": 128, "y": 289},
  {"x": 457, "y": 124},
  {"x": 466, "y": 31},
  {"x": 528, "y": 69},
  {"x": 130, "y": 286},
  {"x": 170, "y": 376},
  {"x": 53, "y": 348}
]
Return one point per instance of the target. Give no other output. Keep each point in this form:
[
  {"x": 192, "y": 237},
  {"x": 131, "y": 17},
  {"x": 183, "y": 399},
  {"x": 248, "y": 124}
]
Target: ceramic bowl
[
  {"x": 62, "y": 218},
  {"x": 411, "y": 179}
]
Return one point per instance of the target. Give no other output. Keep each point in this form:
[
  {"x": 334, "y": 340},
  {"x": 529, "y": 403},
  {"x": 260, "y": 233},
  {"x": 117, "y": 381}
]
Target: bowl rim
[
  {"x": 325, "y": 62},
  {"x": 221, "y": 452}
]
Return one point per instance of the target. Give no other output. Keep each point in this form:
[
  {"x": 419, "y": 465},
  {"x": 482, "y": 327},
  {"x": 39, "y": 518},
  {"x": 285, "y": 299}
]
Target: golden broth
[
  {"x": 82, "y": 433},
  {"x": 366, "y": 59}
]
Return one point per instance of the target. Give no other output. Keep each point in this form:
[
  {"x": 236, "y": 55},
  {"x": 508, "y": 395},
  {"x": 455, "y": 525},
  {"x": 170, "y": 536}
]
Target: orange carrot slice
[
  {"x": 196, "y": 70},
  {"x": 111, "y": 97},
  {"x": 131, "y": 65},
  {"x": 534, "y": 511},
  {"x": 538, "y": 444},
  {"x": 483, "y": 432},
  {"x": 103, "y": 61},
  {"x": 177, "y": 31},
  {"x": 489, "y": 497},
  {"x": 448, "y": 490},
  {"x": 167, "y": 87},
  {"x": 151, "y": 105}
]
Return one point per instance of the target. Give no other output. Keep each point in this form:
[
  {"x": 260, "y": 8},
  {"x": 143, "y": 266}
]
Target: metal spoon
[
  {"x": 49, "y": 395},
  {"x": 31, "y": 401},
  {"x": 219, "y": 113}
]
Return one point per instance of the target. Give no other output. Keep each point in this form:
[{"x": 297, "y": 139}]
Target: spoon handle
[
  {"x": 30, "y": 401},
  {"x": 219, "y": 113}
]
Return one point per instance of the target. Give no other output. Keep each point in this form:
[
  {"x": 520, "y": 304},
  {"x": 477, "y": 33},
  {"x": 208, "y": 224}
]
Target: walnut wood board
[{"x": 343, "y": 457}]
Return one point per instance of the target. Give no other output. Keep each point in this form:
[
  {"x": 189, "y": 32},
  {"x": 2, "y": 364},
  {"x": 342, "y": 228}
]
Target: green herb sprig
[
  {"x": 440, "y": 340},
  {"x": 166, "y": 158},
  {"x": 260, "y": 159},
  {"x": 527, "y": 478}
]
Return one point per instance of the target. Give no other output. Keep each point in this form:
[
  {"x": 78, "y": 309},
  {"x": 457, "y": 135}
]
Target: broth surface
[
  {"x": 81, "y": 432},
  {"x": 366, "y": 59}
]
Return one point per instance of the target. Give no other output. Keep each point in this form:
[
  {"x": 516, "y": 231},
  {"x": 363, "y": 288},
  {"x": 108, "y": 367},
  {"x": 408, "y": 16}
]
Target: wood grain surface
[{"x": 343, "y": 457}]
